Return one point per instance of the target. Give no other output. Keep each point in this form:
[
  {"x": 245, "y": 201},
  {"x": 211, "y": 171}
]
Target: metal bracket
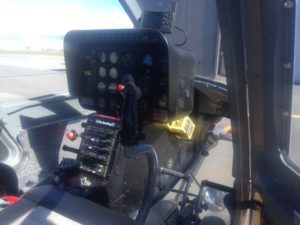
[{"x": 253, "y": 204}]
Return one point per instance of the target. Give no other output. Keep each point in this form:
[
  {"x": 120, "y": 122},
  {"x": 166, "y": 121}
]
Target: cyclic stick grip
[
  {"x": 129, "y": 138},
  {"x": 130, "y": 131}
]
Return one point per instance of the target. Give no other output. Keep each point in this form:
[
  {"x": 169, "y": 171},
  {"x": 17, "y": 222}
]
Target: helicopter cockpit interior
[
  {"x": 141, "y": 134},
  {"x": 125, "y": 145}
]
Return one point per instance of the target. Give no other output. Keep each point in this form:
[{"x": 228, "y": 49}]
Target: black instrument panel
[{"x": 96, "y": 69}]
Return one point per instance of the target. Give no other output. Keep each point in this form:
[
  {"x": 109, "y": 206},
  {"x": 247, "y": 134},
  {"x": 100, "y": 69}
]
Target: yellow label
[{"x": 183, "y": 128}]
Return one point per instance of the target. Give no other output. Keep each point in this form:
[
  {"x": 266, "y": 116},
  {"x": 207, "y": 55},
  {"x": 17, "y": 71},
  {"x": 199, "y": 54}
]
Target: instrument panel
[
  {"x": 101, "y": 66},
  {"x": 97, "y": 62}
]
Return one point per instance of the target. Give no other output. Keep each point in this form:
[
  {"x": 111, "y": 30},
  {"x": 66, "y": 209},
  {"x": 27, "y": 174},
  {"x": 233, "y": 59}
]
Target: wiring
[{"x": 185, "y": 36}]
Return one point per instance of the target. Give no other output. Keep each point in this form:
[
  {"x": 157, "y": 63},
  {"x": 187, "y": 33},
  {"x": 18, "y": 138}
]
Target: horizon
[{"x": 35, "y": 25}]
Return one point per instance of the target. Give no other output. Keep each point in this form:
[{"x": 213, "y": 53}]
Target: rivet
[
  {"x": 288, "y": 4},
  {"x": 288, "y": 65}
]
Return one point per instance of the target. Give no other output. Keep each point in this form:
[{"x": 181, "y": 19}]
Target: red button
[
  {"x": 71, "y": 135},
  {"x": 120, "y": 87}
]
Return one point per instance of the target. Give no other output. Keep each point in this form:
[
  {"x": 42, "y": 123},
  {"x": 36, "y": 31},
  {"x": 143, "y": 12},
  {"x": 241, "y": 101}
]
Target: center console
[{"x": 99, "y": 145}]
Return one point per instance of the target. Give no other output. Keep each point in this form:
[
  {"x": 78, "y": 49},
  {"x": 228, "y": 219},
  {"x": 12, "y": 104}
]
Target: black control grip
[{"x": 130, "y": 132}]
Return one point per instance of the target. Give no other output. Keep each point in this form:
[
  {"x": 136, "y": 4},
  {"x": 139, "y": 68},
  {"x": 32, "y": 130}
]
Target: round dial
[
  {"x": 113, "y": 73},
  {"x": 102, "y": 57},
  {"x": 145, "y": 84},
  {"x": 102, "y": 72},
  {"x": 113, "y": 57},
  {"x": 129, "y": 61},
  {"x": 163, "y": 101},
  {"x": 112, "y": 103},
  {"x": 101, "y": 102},
  {"x": 112, "y": 87},
  {"x": 101, "y": 86}
]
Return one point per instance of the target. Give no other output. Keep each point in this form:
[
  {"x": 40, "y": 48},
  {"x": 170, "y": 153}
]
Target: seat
[
  {"x": 8, "y": 181},
  {"x": 50, "y": 205}
]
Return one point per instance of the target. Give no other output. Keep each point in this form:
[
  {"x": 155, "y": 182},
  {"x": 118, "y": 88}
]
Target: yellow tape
[
  {"x": 227, "y": 129},
  {"x": 296, "y": 116},
  {"x": 183, "y": 128}
]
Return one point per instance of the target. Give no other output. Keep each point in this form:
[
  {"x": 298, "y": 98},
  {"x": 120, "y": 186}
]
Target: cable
[{"x": 185, "y": 35}]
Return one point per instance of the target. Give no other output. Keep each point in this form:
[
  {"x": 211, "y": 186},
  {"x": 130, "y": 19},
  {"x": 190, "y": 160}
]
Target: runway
[{"x": 25, "y": 77}]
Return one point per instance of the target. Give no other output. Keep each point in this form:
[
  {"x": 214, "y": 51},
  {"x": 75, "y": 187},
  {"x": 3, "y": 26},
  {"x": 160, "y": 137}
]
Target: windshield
[{"x": 31, "y": 41}]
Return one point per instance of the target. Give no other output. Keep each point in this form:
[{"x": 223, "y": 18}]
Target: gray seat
[{"x": 51, "y": 206}]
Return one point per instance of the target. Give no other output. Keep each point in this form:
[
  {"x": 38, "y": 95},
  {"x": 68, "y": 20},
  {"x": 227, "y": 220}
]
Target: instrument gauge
[
  {"x": 113, "y": 73},
  {"x": 102, "y": 72},
  {"x": 163, "y": 101},
  {"x": 101, "y": 86},
  {"x": 101, "y": 102},
  {"x": 102, "y": 57},
  {"x": 112, "y": 103},
  {"x": 113, "y": 57},
  {"x": 129, "y": 61},
  {"x": 112, "y": 87}
]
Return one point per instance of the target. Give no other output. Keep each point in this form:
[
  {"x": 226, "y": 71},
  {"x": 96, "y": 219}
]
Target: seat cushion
[{"x": 50, "y": 205}]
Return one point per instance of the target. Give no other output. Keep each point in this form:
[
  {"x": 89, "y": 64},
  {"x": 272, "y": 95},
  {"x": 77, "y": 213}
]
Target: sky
[{"x": 31, "y": 22}]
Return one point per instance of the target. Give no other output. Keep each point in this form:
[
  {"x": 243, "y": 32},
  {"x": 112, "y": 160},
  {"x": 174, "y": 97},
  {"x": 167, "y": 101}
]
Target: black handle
[
  {"x": 130, "y": 132},
  {"x": 70, "y": 149}
]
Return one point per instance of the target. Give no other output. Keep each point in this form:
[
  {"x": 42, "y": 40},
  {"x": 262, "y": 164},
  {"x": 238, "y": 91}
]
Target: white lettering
[{"x": 105, "y": 123}]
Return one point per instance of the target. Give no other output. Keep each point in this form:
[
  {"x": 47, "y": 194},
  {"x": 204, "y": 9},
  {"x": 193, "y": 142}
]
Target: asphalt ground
[{"x": 25, "y": 77}]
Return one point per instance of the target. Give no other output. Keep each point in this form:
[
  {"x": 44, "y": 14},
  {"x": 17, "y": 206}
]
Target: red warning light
[
  {"x": 120, "y": 87},
  {"x": 71, "y": 135}
]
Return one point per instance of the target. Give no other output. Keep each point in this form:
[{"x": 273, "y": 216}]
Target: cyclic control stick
[{"x": 129, "y": 138}]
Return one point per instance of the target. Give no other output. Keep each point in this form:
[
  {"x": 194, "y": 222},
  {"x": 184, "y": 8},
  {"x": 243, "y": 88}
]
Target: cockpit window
[
  {"x": 295, "y": 123},
  {"x": 294, "y": 151},
  {"x": 31, "y": 41},
  {"x": 203, "y": 36}
]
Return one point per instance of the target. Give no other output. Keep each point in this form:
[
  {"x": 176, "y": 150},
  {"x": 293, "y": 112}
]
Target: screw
[
  {"x": 288, "y": 65},
  {"x": 288, "y": 4},
  {"x": 286, "y": 114}
]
